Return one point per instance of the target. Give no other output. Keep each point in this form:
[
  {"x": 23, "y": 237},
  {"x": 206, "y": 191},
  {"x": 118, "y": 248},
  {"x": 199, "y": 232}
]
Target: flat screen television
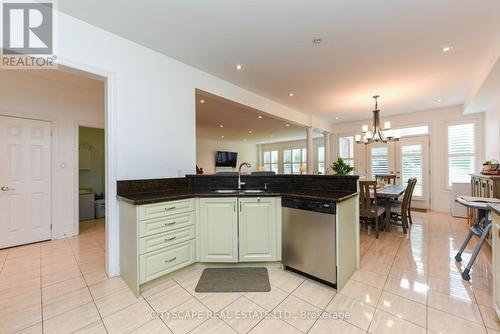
[{"x": 225, "y": 159}]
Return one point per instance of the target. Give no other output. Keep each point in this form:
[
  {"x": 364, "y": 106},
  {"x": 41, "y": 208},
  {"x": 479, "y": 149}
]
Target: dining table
[{"x": 387, "y": 194}]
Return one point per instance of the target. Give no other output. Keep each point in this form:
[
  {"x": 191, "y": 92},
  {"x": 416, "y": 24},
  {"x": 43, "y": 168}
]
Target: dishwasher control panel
[{"x": 310, "y": 205}]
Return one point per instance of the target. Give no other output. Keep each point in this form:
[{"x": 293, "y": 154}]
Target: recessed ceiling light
[
  {"x": 260, "y": 117},
  {"x": 222, "y": 137},
  {"x": 239, "y": 67},
  {"x": 317, "y": 40},
  {"x": 221, "y": 126},
  {"x": 447, "y": 48},
  {"x": 337, "y": 117},
  {"x": 291, "y": 94},
  {"x": 202, "y": 101},
  {"x": 287, "y": 124},
  {"x": 250, "y": 131},
  {"x": 439, "y": 100}
]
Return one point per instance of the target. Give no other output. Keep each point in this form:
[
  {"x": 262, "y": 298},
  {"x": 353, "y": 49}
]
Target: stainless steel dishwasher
[{"x": 309, "y": 238}]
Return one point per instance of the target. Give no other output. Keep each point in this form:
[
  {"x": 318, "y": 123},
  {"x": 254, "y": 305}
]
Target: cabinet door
[
  {"x": 257, "y": 229},
  {"x": 218, "y": 230}
]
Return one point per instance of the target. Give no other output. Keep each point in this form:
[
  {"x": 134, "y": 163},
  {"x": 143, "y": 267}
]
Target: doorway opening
[
  {"x": 41, "y": 114},
  {"x": 91, "y": 182}
]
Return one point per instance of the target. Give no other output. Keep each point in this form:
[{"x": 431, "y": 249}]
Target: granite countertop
[
  {"x": 495, "y": 207},
  {"x": 163, "y": 196}
]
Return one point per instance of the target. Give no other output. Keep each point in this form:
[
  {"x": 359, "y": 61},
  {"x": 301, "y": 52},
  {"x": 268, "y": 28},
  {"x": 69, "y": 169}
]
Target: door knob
[{"x": 5, "y": 188}]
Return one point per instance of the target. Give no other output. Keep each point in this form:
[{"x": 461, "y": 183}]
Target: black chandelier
[{"x": 375, "y": 135}]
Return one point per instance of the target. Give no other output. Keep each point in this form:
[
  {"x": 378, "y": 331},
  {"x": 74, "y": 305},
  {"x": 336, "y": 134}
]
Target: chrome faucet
[{"x": 246, "y": 164}]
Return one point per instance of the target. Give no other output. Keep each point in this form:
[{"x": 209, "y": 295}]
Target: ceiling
[
  {"x": 393, "y": 48},
  {"x": 237, "y": 120}
]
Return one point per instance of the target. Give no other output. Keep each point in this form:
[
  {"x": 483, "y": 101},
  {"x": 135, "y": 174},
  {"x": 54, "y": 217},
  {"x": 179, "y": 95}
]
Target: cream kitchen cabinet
[
  {"x": 240, "y": 229},
  {"x": 156, "y": 239},
  {"x": 258, "y": 229},
  {"x": 218, "y": 219},
  {"x": 159, "y": 238}
]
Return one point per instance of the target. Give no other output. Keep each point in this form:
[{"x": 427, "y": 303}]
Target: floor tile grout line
[
  {"x": 289, "y": 294},
  {"x": 385, "y": 283},
  {"x": 88, "y": 288},
  {"x": 41, "y": 293},
  {"x": 160, "y": 318},
  {"x": 193, "y": 296}
]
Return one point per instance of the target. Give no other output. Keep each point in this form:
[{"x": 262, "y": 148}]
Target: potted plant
[{"x": 340, "y": 167}]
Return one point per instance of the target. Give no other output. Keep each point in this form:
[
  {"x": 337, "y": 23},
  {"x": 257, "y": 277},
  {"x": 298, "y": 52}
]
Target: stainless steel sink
[
  {"x": 236, "y": 191},
  {"x": 254, "y": 191},
  {"x": 226, "y": 191}
]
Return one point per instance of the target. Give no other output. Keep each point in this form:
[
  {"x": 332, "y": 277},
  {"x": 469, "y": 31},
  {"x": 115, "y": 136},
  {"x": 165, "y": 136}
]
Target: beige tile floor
[{"x": 407, "y": 284}]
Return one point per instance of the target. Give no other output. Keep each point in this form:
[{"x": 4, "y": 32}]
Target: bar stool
[{"x": 480, "y": 228}]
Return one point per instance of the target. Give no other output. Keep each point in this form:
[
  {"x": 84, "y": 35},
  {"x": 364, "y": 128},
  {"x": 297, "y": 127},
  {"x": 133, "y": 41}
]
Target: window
[
  {"x": 321, "y": 160},
  {"x": 412, "y": 131},
  {"x": 461, "y": 152},
  {"x": 379, "y": 161},
  {"x": 287, "y": 161},
  {"x": 346, "y": 149},
  {"x": 293, "y": 159},
  {"x": 271, "y": 161}
]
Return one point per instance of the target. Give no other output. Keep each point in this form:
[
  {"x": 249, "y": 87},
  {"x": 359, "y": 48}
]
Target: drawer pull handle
[
  {"x": 172, "y": 259},
  {"x": 170, "y": 208},
  {"x": 171, "y": 238},
  {"x": 169, "y": 224}
]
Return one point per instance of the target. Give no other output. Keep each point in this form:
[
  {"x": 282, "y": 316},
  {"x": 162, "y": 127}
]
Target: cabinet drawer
[
  {"x": 160, "y": 225},
  {"x": 164, "y": 209},
  {"x": 162, "y": 240},
  {"x": 161, "y": 262}
]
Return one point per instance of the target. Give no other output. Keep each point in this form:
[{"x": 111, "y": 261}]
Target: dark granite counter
[
  {"x": 315, "y": 187},
  {"x": 495, "y": 207},
  {"x": 164, "y": 196}
]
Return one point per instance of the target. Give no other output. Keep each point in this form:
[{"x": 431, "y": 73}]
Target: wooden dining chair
[
  {"x": 387, "y": 179},
  {"x": 369, "y": 210},
  {"x": 400, "y": 210}
]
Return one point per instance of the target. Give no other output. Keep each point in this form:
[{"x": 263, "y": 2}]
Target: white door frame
[
  {"x": 110, "y": 112},
  {"x": 393, "y": 166},
  {"x": 110, "y": 123},
  {"x": 76, "y": 170},
  {"x": 422, "y": 202}
]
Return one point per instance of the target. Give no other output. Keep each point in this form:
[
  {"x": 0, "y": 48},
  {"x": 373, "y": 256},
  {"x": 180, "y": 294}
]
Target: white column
[
  {"x": 310, "y": 150},
  {"x": 328, "y": 149}
]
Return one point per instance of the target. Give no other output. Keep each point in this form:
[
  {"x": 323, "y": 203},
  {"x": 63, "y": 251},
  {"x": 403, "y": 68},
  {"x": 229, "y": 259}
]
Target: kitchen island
[{"x": 169, "y": 224}]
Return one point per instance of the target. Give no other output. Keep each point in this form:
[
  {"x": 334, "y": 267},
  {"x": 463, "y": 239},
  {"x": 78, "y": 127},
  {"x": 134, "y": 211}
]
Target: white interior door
[
  {"x": 25, "y": 181},
  {"x": 412, "y": 160}
]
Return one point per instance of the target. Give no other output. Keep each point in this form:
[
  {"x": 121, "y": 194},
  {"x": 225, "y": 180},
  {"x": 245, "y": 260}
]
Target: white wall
[
  {"x": 66, "y": 106},
  {"x": 205, "y": 154},
  {"x": 155, "y": 99},
  {"x": 437, "y": 119},
  {"x": 150, "y": 111},
  {"x": 492, "y": 133}
]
